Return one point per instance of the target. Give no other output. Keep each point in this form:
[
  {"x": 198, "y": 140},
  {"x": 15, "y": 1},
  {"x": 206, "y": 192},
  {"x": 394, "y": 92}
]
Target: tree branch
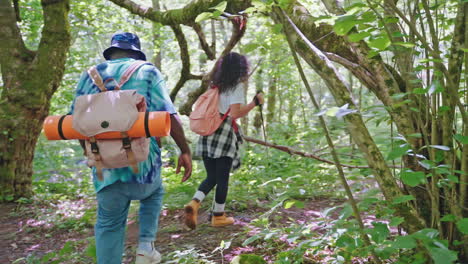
[
  {"x": 292, "y": 151},
  {"x": 204, "y": 44},
  {"x": 364, "y": 75},
  {"x": 185, "y": 15},
  {"x": 184, "y": 57},
  {"x": 12, "y": 49},
  {"x": 54, "y": 44}
]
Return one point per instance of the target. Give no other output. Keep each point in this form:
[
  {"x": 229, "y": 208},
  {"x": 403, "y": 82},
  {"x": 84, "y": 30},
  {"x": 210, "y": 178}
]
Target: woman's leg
[
  {"x": 222, "y": 170},
  {"x": 207, "y": 185},
  {"x": 191, "y": 209}
]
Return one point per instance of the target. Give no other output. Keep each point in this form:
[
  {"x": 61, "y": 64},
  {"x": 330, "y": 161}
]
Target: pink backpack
[{"x": 205, "y": 118}]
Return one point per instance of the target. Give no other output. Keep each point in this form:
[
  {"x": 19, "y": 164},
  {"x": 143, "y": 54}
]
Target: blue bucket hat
[{"x": 125, "y": 41}]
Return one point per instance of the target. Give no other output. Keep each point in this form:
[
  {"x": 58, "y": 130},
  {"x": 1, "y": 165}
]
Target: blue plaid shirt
[{"x": 147, "y": 80}]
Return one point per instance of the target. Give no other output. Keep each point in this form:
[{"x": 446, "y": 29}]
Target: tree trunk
[{"x": 30, "y": 79}]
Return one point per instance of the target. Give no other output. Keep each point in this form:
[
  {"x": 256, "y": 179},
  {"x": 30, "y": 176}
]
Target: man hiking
[{"x": 121, "y": 185}]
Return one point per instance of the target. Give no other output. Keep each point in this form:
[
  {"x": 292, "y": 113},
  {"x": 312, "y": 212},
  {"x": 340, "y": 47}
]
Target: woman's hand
[{"x": 259, "y": 99}]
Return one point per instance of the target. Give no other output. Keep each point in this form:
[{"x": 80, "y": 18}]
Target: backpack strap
[
  {"x": 130, "y": 70},
  {"x": 96, "y": 78},
  {"x": 130, "y": 155},
  {"x": 97, "y": 157}
]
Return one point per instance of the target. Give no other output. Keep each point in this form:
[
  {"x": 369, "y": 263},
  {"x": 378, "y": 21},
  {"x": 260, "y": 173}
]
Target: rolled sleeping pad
[{"x": 148, "y": 124}]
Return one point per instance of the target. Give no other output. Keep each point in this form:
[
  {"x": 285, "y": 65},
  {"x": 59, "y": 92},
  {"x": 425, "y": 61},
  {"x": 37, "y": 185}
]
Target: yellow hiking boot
[
  {"x": 191, "y": 214},
  {"x": 221, "y": 220}
]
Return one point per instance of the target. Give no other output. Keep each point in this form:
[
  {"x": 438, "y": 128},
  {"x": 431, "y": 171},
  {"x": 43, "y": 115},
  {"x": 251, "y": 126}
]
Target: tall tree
[{"x": 30, "y": 78}]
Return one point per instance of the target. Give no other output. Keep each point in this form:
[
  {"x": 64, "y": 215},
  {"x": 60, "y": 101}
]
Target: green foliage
[{"x": 248, "y": 259}]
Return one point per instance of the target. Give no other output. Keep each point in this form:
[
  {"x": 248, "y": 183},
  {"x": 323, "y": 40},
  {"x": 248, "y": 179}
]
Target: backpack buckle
[
  {"x": 126, "y": 141},
  {"x": 94, "y": 146}
]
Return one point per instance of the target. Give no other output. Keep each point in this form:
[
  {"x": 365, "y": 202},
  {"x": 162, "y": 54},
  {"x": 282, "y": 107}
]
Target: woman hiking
[{"x": 220, "y": 150}]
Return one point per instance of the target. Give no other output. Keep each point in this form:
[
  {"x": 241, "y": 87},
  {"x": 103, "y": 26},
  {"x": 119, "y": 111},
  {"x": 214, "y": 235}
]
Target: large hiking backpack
[
  {"x": 205, "y": 117},
  {"x": 111, "y": 110}
]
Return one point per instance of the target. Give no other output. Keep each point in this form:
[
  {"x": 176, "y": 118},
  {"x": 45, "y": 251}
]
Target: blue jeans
[{"x": 113, "y": 203}]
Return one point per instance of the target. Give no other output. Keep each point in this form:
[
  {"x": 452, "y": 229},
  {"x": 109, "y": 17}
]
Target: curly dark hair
[{"x": 230, "y": 70}]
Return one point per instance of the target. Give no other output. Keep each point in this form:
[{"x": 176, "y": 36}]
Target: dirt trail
[{"x": 17, "y": 241}]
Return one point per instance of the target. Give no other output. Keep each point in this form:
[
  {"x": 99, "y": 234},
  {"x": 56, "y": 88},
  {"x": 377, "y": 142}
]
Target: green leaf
[
  {"x": 289, "y": 204},
  {"x": 220, "y": 7},
  {"x": 415, "y": 135},
  {"x": 460, "y": 138},
  {"x": 90, "y": 250},
  {"x": 346, "y": 241},
  {"x": 277, "y": 28},
  {"x": 442, "y": 255},
  {"x": 67, "y": 248},
  {"x": 216, "y": 14},
  {"x": 443, "y": 109},
  {"x": 372, "y": 54},
  {"x": 405, "y": 242},
  {"x": 203, "y": 16},
  {"x": 379, "y": 233},
  {"x": 284, "y": 3},
  {"x": 250, "y": 240},
  {"x": 344, "y": 24},
  {"x": 441, "y": 147},
  {"x": 412, "y": 178},
  {"x": 356, "y": 37},
  {"x": 395, "y": 221},
  {"x": 250, "y": 47},
  {"x": 419, "y": 91},
  {"x": 346, "y": 212},
  {"x": 448, "y": 218},
  {"x": 399, "y": 96},
  {"x": 397, "y": 152},
  {"x": 380, "y": 43},
  {"x": 453, "y": 178},
  {"x": 404, "y": 44},
  {"x": 462, "y": 225},
  {"x": 403, "y": 199}
]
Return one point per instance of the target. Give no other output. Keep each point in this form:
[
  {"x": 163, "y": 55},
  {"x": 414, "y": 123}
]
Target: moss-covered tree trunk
[{"x": 29, "y": 80}]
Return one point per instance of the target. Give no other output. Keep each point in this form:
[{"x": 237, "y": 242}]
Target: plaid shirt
[{"x": 222, "y": 143}]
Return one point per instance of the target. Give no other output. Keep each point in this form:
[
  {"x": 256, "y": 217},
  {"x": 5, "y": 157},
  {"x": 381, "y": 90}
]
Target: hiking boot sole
[{"x": 190, "y": 218}]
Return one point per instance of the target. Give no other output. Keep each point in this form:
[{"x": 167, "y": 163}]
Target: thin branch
[
  {"x": 213, "y": 36},
  {"x": 292, "y": 151},
  {"x": 17, "y": 11},
  {"x": 356, "y": 69},
  {"x": 204, "y": 44},
  {"x": 184, "y": 57},
  {"x": 255, "y": 68}
]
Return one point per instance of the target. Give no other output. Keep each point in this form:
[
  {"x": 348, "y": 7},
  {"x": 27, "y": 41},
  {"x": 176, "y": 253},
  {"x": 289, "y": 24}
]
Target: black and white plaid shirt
[{"x": 222, "y": 143}]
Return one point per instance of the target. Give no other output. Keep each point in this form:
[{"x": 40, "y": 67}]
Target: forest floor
[{"x": 24, "y": 238}]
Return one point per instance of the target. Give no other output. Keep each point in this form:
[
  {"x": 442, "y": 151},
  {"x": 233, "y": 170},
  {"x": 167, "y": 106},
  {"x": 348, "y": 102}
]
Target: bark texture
[{"x": 30, "y": 78}]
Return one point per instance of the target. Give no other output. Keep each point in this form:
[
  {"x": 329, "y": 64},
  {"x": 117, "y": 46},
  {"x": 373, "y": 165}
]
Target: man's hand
[{"x": 185, "y": 160}]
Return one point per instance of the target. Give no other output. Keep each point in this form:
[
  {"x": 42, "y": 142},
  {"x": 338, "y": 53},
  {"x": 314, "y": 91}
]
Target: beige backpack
[{"x": 111, "y": 110}]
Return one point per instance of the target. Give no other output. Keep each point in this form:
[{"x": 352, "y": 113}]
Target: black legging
[{"x": 217, "y": 171}]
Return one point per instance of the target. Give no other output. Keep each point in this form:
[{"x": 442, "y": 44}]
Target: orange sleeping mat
[{"x": 158, "y": 124}]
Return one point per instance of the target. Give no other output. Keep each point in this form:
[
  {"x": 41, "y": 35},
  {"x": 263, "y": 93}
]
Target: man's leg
[
  {"x": 113, "y": 204},
  {"x": 150, "y": 208}
]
